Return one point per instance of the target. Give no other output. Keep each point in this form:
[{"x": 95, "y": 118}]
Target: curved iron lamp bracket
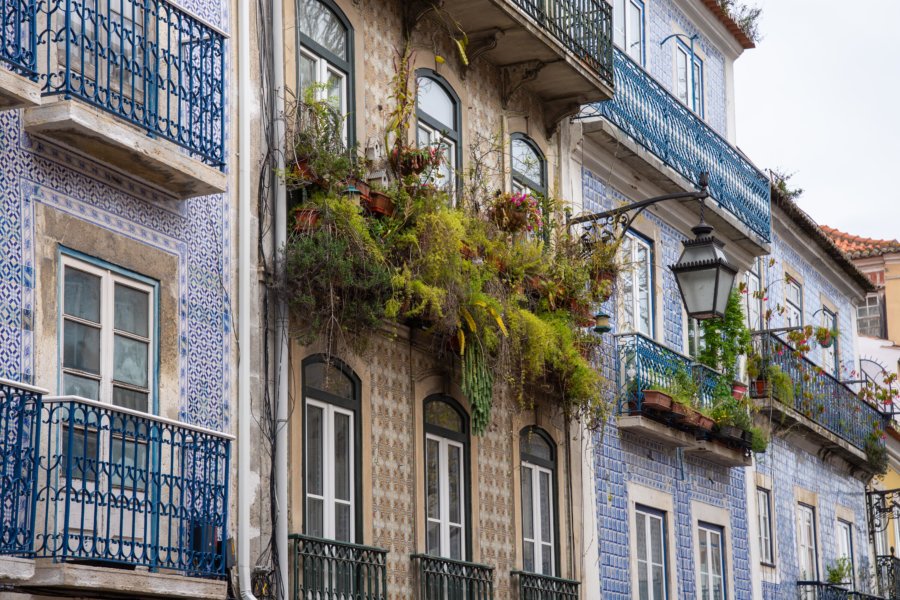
[{"x": 883, "y": 507}]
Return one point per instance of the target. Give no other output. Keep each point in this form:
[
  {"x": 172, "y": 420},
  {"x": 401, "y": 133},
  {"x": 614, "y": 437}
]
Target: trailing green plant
[
  {"x": 726, "y": 339},
  {"x": 876, "y": 453},
  {"x": 682, "y": 388},
  {"x": 780, "y": 384},
  {"x": 840, "y": 571},
  {"x": 727, "y": 410},
  {"x": 759, "y": 439}
]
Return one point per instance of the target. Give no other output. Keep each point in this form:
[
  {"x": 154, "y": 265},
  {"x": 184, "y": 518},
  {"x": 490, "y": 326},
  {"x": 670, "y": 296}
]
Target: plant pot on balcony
[
  {"x": 364, "y": 189},
  {"x": 759, "y": 388},
  {"x": 730, "y": 433},
  {"x": 380, "y": 203},
  {"x": 738, "y": 390},
  {"x": 656, "y": 401},
  {"x": 306, "y": 219},
  {"x": 705, "y": 424},
  {"x": 679, "y": 411},
  {"x": 691, "y": 418}
]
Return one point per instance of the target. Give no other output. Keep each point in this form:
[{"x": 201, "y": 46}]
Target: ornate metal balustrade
[
  {"x": 887, "y": 570},
  {"x": 816, "y": 590},
  {"x": 18, "y": 36},
  {"x": 145, "y": 61},
  {"x": 864, "y": 596},
  {"x": 643, "y": 363},
  {"x": 543, "y": 587},
  {"x": 331, "y": 570},
  {"x": 643, "y": 109},
  {"x": 819, "y": 396},
  {"x": 584, "y": 27},
  {"x": 447, "y": 579},
  {"x": 19, "y": 405},
  {"x": 116, "y": 486}
]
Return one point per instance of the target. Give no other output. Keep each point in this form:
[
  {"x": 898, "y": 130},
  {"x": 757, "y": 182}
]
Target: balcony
[
  {"x": 448, "y": 579},
  {"x": 332, "y": 570},
  {"x": 816, "y": 590},
  {"x": 19, "y": 87},
  {"x": 832, "y": 414},
  {"x": 643, "y": 364},
  {"x": 651, "y": 130},
  {"x": 887, "y": 571},
  {"x": 107, "y": 499},
  {"x": 136, "y": 85},
  {"x": 561, "y": 50},
  {"x": 543, "y": 587}
]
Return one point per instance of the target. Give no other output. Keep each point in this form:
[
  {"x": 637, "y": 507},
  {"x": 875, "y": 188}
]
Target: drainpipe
[
  {"x": 282, "y": 358},
  {"x": 246, "y": 275}
]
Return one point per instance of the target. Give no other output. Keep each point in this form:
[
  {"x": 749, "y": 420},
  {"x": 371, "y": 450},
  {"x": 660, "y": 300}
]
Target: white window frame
[
  {"x": 329, "y": 451},
  {"x": 434, "y": 138},
  {"x": 764, "y": 526},
  {"x": 629, "y": 273},
  {"x": 645, "y": 563},
  {"x": 690, "y": 91},
  {"x": 754, "y": 306},
  {"x": 628, "y": 37},
  {"x": 807, "y": 546},
  {"x": 706, "y": 533},
  {"x": 538, "y": 543},
  {"x": 794, "y": 311},
  {"x": 844, "y": 546},
  {"x": 108, "y": 280},
  {"x": 864, "y": 314},
  {"x": 444, "y": 494},
  {"x": 830, "y": 355}
]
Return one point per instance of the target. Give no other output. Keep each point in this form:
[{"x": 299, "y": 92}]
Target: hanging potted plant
[
  {"x": 305, "y": 217},
  {"x": 516, "y": 212},
  {"x": 825, "y": 336},
  {"x": 380, "y": 203},
  {"x": 603, "y": 265}
]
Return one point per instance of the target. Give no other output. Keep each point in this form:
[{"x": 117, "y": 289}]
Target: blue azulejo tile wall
[{"x": 196, "y": 232}]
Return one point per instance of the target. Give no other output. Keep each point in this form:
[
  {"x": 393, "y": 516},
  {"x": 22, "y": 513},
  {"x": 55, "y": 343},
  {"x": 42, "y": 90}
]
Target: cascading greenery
[{"x": 477, "y": 385}]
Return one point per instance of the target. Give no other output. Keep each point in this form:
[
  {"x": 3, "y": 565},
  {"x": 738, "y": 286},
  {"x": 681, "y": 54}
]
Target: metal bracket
[
  {"x": 882, "y": 506},
  {"x": 512, "y": 77}
]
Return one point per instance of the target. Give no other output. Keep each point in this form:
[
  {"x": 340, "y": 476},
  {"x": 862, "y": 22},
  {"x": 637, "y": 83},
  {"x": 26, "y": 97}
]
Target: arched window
[
  {"x": 446, "y": 478},
  {"x": 326, "y": 52},
  {"x": 529, "y": 167},
  {"x": 439, "y": 122},
  {"x": 538, "y": 456},
  {"x": 331, "y": 443}
]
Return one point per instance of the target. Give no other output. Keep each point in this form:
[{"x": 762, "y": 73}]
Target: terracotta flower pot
[
  {"x": 680, "y": 412},
  {"x": 380, "y": 203},
  {"x": 306, "y": 219},
  {"x": 760, "y": 388},
  {"x": 738, "y": 390},
  {"x": 363, "y": 187},
  {"x": 656, "y": 401},
  {"x": 691, "y": 418},
  {"x": 705, "y": 423},
  {"x": 730, "y": 433}
]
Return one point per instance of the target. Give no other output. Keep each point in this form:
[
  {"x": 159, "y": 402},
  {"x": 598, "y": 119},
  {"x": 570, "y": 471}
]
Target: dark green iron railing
[
  {"x": 447, "y": 579},
  {"x": 544, "y": 587},
  {"x": 332, "y": 570},
  {"x": 816, "y": 590},
  {"x": 887, "y": 569}
]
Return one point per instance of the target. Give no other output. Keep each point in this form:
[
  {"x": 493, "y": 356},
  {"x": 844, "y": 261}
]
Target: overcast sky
[{"x": 820, "y": 97}]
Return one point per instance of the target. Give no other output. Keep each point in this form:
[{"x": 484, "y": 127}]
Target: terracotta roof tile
[
  {"x": 733, "y": 28},
  {"x": 860, "y": 247}
]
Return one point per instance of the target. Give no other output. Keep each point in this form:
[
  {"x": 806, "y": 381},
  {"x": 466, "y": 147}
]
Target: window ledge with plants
[{"x": 504, "y": 293}]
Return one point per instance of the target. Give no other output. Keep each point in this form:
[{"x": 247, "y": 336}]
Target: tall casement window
[
  {"x": 446, "y": 478},
  {"x": 326, "y": 49},
  {"x": 807, "y": 553},
  {"x": 712, "y": 562},
  {"x": 636, "y": 285},
  {"x": 869, "y": 319},
  {"x": 538, "y": 458},
  {"x": 529, "y": 167},
  {"x": 764, "y": 514},
  {"x": 830, "y": 355},
  {"x": 845, "y": 549},
  {"x": 793, "y": 300},
  {"x": 109, "y": 340},
  {"x": 650, "y": 533},
  {"x": 628, "y": 31},
  {"x": 689, "y": 78},
  {"x": 438, "y": 122},
  {"x": 754, "y": 307},
  {"x": 331, "y": 445}
]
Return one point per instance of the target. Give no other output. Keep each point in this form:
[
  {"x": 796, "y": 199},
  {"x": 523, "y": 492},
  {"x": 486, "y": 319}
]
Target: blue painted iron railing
[
  {"x": 116, "y": 486},
  {"x": 332, "y": 570},
  {"x": 18, "y": 36},
  {"x": 19, "y": 405},
  {"x": 657, "y": 120},
  {"x": 643, "y": 363},
  {"x": 584, "y": 27},
  {"x": 819, "y": 396},
  {"x": 145, "y": 61},
  {"x": 448, "y": 579},
  {"x": 543, "y": 587}
]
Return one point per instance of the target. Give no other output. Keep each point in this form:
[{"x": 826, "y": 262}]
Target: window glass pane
[
  {"x": 319, "y": 23},
  {"x": 129, "y": 463},
  {"x": 641, "y": 531},
  {"x": 619, "y": 23},
  {"x": 527, "y": 503},
  {"x": 546, "y": 503},
  {"x": 82, "y": 295},
  {"x": 547, "y": 559},
  {"x": 335, "y": 89},
  {"x": 698, "y": 88},
  {"x": 656, "y": 542},
  {"x": 314, "y": 451},
  {"x": 330, "y": 379},
  {"x": 342, "y": 522},
  {"x": 342, "y": 453},
  {"x": 435, "y": 102},
  {"x": 526, "y": 161},
  {"x": 643, "y": 585},
  {"x": 132, "y": 310},
  {"x": 658, "y": 582},
  {"x": 454, "y": 475},
  {"x": 73, "y": 385},
  {"x": 315, "y": 518},
  {"x": 529, "y": 557},
  {"x": 456, "y": 542},
  {"x": 643, "y": 283},
  {"x": 130, "y": 361},
  {"x": 131, "y": 399},
  {"x": 307, "y": 71},
  {"x": 432, "y": 479},
  {"x": 681, "y": 74},
  {"x": 81, "y": 347},
  {"x": 434, "y": 537},
  {"x": 534, "y": 444},
  {"x": 443, "y": 415},
  {"x": 635, "y": 31},
  {"x": 83, "y": 461}
]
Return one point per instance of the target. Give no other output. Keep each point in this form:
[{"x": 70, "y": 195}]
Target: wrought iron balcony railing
[
  {"x": 18, "y": 36},
  {"x": 448, "y": 579},
  {"x": 331, "y": 570},
  {"x": 145, "y": 61},
  {"x": 116, "y": 486},
  {"x": 543, "y": 587},
  {"x": 643, "y": 363},
  {"x": 19, "y": 405},
  {"x": 887, "y": 569},
  {"x": 816, "y": 590},
  {"x": 584, "y": 27},
  {"x": 644, "y": 110},
  {"x": 817, "y": 395}
]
